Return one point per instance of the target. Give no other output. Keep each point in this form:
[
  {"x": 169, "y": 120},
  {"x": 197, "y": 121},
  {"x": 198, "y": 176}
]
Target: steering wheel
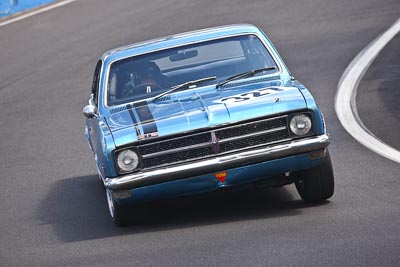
[{"x": 147, "y": 89}]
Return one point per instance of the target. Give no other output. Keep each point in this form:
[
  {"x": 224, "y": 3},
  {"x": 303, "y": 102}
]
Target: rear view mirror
[{"x": 181, "y": 55}]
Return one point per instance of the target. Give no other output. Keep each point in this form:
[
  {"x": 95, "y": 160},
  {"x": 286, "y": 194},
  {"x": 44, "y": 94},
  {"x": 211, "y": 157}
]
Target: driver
[
  {"x": 149, "y": 77},
  {"x": 146, "y": 79},
  {"x": 149, "y": 74}
]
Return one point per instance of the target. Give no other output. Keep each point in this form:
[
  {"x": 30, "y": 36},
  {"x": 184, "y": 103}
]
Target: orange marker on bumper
[{"x": 221, "y": 176}]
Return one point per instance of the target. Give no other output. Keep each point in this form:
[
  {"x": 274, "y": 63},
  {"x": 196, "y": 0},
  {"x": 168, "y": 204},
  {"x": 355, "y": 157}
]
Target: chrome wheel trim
[{"x": 110, "y": 203}]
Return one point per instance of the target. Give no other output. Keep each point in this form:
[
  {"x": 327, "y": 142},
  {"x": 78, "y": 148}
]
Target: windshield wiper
[
  {"x": 245, "y": 74},
  {"x": 188, "y": 83}
]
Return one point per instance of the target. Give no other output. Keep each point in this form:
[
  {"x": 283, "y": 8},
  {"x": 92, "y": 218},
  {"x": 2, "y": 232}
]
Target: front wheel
[
  {"x": 119, "y": 213},
  {"x": 317, "y": 184}
]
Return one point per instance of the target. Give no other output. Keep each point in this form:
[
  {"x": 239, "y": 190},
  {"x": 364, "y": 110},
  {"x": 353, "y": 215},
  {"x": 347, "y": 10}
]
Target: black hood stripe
[
  {"x": 146, "y": 117},
  {"x": 129, "y": 108}
]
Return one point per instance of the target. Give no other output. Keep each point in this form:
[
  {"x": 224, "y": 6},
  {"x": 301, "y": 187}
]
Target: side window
[{"x": 95, "y": 83}]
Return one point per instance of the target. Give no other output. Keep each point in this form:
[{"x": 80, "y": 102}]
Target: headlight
[
  {"x": 300, "y": 124},
  {"x": 127, "y": 160}
]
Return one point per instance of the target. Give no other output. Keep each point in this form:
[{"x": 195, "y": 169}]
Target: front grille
[
  {"x": 228, "y": 139},
  {"x": 178, "y": 157},
  {"x": 251, "y": 128},
  {"x": 254, "y": 141},
  {"x": 176, "y": 143}
]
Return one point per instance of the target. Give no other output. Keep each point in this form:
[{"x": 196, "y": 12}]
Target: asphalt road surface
[{"x": 53, "y": 212}]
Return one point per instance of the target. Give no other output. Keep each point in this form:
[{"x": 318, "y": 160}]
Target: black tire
[
  {"x": 119, "y": 213},
  {"x": 317, "y": 184}
]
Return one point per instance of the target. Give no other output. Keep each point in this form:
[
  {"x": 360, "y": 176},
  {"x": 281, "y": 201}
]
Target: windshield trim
[{"x": 270, "y": 51}]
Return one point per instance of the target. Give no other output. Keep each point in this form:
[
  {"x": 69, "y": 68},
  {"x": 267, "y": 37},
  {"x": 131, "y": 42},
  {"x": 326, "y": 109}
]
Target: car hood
[{"x": 201, "y": 108}]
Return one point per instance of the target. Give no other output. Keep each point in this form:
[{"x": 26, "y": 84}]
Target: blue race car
[{"x": 199, "y": 111}]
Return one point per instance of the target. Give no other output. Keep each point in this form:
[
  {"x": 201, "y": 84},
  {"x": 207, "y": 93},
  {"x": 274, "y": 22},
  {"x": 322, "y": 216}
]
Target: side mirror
[{"x": 89, "y": 111}]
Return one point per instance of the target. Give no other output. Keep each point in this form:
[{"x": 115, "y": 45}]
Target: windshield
[{"x": 152, "y": 74}]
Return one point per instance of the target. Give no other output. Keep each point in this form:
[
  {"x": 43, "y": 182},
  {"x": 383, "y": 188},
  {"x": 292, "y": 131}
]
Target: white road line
[
  {"x": 345, "y": 102},
  {"x": 35, "y": 12}
]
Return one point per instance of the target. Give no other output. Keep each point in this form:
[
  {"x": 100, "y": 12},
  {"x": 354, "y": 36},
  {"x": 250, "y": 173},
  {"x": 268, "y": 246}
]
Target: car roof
[{"x": 178, "y": 40}]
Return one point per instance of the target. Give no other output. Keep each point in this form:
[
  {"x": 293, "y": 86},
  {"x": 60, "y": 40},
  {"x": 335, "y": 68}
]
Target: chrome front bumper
[{"x": 216, "y": 164}]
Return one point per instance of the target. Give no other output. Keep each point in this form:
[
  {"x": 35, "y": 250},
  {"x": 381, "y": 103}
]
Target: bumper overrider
[{"x": 220, "y": 163}]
